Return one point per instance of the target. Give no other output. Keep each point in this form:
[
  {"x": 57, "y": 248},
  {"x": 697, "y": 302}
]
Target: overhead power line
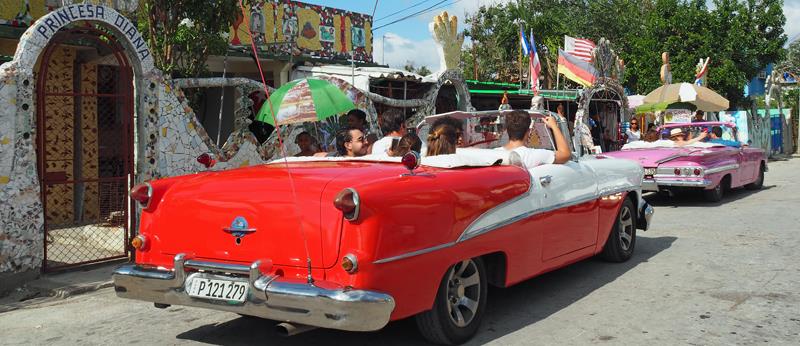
[
  {"x": 429, "y": 9},
  {"x": 402, "y": 10}
]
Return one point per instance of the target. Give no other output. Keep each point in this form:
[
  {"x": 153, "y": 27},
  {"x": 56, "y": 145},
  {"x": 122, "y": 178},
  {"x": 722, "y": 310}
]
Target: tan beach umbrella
[{"x": 703, "y": 98}]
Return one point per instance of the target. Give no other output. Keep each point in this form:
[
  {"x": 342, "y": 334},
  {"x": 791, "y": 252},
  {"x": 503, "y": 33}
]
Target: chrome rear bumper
[
  {"x": 655, "y": 184},
  {"x": 321, "y": 304}
]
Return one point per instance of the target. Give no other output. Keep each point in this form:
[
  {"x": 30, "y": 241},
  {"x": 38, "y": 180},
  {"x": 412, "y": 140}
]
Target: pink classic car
[{"x": 716, "y": 163}]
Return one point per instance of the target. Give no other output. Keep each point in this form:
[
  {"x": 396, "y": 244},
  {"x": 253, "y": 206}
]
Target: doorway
[{"x": 84, "y": 147}]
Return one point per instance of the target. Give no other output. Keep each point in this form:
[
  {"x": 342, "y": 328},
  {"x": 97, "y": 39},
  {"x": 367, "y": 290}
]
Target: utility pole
[{"x": 383, "y": 53}]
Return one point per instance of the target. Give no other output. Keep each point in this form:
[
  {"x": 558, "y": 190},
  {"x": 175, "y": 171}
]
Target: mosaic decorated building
[{"x": 86, "y": 115}]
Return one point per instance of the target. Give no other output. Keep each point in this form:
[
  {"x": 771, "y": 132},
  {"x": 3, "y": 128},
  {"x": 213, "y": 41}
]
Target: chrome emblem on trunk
[{"x": 239, "y": 228}]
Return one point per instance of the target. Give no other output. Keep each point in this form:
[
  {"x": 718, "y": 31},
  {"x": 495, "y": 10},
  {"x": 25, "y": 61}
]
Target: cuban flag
[
  {"x": 526, "y": 47},
  {"x": 536, "y": 67}
]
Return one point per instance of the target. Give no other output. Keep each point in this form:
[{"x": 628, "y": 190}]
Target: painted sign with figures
[{"x": 296, "y": 28}]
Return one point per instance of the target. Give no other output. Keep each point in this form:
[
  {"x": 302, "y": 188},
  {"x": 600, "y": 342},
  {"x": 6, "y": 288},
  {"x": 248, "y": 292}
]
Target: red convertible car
[{"x": 352, "y": 244}]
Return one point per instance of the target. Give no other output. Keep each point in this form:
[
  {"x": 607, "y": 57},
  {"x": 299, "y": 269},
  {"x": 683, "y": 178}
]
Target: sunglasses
[{"x": 359, "y": 139}]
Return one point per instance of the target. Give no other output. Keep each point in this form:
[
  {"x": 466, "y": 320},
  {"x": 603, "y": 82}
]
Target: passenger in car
[
  {"x": 457, "y": 124},
  {"x": 677, "y": 136},
  {"x": 307, "y": 143},
  {"x": 393, "y": 126},
  {"x": 518, "y": 127},
  {"x": 351, "y": 142},
  {"x": 442, "y": 140},
  {"x": 716, "y": 138},
  {"x": 409, "y": 142}
]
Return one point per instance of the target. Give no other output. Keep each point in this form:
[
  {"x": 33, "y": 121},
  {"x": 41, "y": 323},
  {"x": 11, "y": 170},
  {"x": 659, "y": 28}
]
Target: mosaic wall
[
  {"x": 21, "y": 239},
  {"x": 21, "y": 232},
  {"x": 293, "y": 28}
]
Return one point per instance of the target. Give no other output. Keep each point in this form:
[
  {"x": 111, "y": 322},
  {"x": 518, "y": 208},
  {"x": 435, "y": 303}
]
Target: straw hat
[{"x": 675, "y": 132}]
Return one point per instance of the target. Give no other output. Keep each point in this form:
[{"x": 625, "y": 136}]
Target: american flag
[{"x": 581, "y": 48}]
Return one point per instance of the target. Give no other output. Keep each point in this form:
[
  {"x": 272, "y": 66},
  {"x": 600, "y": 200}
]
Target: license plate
[
  {"x": 218, "y": 289},
  {"x": 649, "y": 171}
]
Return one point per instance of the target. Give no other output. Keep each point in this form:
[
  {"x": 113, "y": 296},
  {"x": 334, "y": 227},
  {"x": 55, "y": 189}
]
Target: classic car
[
  {"x": 707, "y": 166},
  {"x": 353, "y": 243}
]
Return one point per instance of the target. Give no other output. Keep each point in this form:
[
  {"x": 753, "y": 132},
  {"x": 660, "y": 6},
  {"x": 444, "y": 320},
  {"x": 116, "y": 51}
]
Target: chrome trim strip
[
  {"x": 218, "y": 267},
  {"x": 722, "y": 168},
  {"x": 469, "y": 234},
  {"x": 326, "y": 304},
  {"x": 414, "y": 253},
  {"x": 669, "y": 158}
]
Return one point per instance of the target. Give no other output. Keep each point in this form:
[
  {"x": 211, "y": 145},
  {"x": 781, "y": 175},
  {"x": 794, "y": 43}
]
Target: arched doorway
[
  {"x": 84, "y": 145},
  {"x": 603, "y": 108}
]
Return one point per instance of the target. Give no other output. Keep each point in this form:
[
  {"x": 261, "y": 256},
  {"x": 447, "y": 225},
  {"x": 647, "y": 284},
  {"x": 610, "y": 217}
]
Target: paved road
[{"x": 705, "y": 274}]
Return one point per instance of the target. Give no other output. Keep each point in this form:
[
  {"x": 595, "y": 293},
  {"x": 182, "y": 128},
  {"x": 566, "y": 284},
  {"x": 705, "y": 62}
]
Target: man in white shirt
[
  {"x": 518, "y": 127},
  {"x": 393, "y": 125}
]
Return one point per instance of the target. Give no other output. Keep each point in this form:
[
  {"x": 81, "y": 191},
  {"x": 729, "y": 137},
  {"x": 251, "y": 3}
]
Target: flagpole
[{"x": 519, "y": 61}]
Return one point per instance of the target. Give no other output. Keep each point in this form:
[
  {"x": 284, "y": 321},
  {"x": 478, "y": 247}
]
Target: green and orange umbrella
[{"x": 304, "y": 100}]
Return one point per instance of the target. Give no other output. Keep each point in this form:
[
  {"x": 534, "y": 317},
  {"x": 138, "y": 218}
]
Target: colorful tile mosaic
[{"x": 284, "y": 27}]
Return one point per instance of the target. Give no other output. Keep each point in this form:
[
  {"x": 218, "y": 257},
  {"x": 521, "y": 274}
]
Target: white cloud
[
  {"x": 791, "y": 9},
  {"x": 400, "y": 49},
  {"x": 423, "y": 52}
]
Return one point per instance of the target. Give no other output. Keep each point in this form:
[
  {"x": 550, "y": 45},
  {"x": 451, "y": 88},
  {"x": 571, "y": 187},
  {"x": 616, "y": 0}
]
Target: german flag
[{"x": 575, "y": 69}]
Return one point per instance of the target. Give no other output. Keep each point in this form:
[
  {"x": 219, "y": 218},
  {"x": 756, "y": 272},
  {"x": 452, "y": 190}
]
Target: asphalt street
[{"x": 704, "y": 274}]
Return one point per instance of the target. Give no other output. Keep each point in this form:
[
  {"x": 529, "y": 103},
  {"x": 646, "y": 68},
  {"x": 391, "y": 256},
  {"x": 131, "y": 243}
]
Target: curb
[{"x": 69, "y": 291}]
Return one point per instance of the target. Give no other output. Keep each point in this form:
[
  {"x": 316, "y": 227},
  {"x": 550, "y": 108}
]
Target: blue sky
[{"x": 410, "y": 40}]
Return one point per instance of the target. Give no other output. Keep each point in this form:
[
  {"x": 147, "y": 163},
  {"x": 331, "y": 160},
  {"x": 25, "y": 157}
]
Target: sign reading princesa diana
[{"x": 50, "y": 24}]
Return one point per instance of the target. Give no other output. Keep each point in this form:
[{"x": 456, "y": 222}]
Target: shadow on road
[
  {"x": 694, "y": 198},
  {"x": 508, "y": 309}
]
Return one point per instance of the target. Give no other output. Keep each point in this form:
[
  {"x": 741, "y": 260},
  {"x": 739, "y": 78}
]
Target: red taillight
[
  {"x": 206, "y": 160},
  {"x": 677, "y": 171},
  {"x": 697, "y": 171},
  {"x": 410, "y": 160},
  {"x": 142, "y": 193},
  {"x": 348, "y": 203}
]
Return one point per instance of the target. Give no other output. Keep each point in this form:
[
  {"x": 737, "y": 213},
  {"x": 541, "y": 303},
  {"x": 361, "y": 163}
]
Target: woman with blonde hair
[{"x": 442, "y": 140}]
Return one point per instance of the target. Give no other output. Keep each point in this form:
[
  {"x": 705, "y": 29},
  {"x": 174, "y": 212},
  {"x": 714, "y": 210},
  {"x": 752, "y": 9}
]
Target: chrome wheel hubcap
[
  {"x": 463, "y": 292},
  {"x": 625, "y": 228}
]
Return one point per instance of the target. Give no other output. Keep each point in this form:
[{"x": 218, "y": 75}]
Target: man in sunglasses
[{"x": 351, "y": 142}]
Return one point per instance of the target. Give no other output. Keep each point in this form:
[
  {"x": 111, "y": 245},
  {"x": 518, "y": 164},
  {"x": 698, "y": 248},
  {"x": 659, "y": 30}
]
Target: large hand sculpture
[{"x": 445, "y": 32}]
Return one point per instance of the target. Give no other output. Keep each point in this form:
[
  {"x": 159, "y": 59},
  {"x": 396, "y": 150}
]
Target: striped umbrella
[{"x": 303, "y": 100}]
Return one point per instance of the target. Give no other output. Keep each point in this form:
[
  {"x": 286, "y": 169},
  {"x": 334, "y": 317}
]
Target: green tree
[
  {"x": 740, "y": 36},
  {"x": 422, "y": 70},
  {"x": 182, "y": 34}
]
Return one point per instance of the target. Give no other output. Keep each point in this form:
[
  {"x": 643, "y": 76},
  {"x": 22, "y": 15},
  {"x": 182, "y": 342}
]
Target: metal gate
[{"x": 84, "y": 147}]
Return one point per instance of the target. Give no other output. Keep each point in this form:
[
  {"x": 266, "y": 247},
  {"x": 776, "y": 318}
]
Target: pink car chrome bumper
[
  {"x": 319, "y": 304},
  {"x": 655, "y": 183}
]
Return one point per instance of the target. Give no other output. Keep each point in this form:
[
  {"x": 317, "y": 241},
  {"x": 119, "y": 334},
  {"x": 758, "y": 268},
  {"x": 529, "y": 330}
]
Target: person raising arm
[
  {"x": 518, "y": 127},
  {"x": 562, "y": 147}
]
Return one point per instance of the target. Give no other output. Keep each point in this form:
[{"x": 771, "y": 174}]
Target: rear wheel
[
  {"x": 715, "y": 194},
  {"x": 622, "y": 238},
  {"x": 756, "y": 185},
  {"x": 458, "y": 309}
]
